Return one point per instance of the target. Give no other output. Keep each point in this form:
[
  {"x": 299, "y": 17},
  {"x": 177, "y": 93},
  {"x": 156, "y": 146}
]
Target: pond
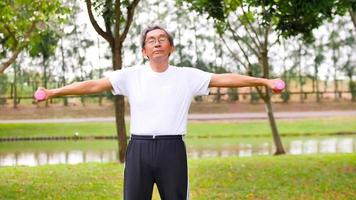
[{"x": 74, "y": 152}]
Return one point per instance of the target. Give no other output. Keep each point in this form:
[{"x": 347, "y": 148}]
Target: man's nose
[{"x": 157, "y": 44}]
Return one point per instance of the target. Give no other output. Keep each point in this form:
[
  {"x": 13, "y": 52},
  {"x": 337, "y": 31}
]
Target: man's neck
[{"x": 158, "y": 66}]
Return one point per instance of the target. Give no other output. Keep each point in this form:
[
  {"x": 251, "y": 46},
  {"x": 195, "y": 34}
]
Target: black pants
[{"x": 161, "y": 160}]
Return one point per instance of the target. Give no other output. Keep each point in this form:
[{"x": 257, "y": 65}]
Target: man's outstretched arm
[
  {"x": 237, "y": 80},
  {"x": 79, "y": 88}
]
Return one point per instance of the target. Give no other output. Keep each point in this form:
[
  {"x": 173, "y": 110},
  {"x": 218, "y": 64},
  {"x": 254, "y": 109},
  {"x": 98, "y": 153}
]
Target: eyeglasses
[{"x": 160, "y": 40}]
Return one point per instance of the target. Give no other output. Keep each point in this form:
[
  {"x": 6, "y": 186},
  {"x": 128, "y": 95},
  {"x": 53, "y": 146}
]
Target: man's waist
[{"x": 156, "y": 137}]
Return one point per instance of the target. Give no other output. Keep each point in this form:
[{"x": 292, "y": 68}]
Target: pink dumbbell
[
  {"x": 279, "y": 86},
  {"x": 40, "y": 95}
]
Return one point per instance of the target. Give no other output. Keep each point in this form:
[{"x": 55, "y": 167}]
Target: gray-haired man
[{"x": 159, "y": 96}]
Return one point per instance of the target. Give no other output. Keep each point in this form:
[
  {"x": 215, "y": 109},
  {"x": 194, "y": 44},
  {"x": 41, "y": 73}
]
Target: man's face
[{"x": 157, "y": 45}]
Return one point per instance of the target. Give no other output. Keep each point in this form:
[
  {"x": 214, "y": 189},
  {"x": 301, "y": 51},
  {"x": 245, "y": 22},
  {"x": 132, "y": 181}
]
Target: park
[{"x": 67, "y": 131}]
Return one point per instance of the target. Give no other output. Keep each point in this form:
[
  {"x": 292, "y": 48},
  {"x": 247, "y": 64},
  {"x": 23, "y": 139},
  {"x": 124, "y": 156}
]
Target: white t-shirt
[{"x": 159, "y": 101}]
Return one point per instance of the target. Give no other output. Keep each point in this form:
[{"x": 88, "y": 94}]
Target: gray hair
[{"x": 151, "y": 28}]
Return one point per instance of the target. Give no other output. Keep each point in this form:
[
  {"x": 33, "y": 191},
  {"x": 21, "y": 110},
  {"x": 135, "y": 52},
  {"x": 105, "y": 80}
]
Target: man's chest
[{"x": 159, "y": 92}]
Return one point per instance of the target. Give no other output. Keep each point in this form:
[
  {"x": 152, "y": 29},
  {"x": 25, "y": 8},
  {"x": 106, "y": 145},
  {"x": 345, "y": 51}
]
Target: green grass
[
  {"x": 59, "y": 145},
  {"x": 211, "y": 129},
  {"x": 286, "y": 127},
  {"x": 56, "y": 129},
  {"x": 260, "y": 177}
]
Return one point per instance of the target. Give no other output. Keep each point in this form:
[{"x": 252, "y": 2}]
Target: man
[{"x": 159, "y": 96}]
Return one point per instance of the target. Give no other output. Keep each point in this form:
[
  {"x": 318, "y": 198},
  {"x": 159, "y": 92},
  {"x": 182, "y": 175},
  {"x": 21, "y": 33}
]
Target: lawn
[
  {"x": 323, "y": 126},
  {"x": 259, "y": 177}
]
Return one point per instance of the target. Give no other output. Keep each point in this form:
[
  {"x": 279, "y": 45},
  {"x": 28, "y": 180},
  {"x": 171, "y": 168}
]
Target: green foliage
[
  {"x": 294, "y": 17},
  {"x": 255, "y": 97},
  {"x": 233, "y": 94},
  {"x": 23, "y": 22},
  {"x": 246, "y": 18},
  {"x": 256, "y": 70},
  {"x": 288, "y": 17},
  {"x": 214, "y": 8},
  {"x": 106, "y": 9},
  {"x": 44, "y": 44},
  {"x": 285, "y": 96}
]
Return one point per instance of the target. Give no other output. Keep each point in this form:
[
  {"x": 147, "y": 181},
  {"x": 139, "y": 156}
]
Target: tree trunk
[
  {"x": 336, "y": 86},
  {"x": 353, "y": 17},
  {"x": 65, "y": 98},
  {"x": 300, "y": 75},
  {"x": 45, "y": 77},
  {"x": 116, "y": 41},
  {"x": 268, "y": 104},
  {"x": 120, "y": 108},
  {"x": 318, "y": 99},
  {"x": 100, "y": 97},
  {"x": 352, "y": 88},
  {"x": 120, "y": 126},
  {"x": 15, "y": 86},
  {"x": 217, "y": 96},
  {"x": 334, "y": 58},
  {"x": 316, "y": 71},
  {"x": 272, "y": 122}
]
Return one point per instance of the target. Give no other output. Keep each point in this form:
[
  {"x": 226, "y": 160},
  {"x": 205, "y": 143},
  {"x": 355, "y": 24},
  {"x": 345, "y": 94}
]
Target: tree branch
[
  {"x": 118, "y": 15},
  {"x": 243, "y": 51},
  {"x": 251, "y": 27},
  {"x": 237, "y": 38},
  {"x": 107, "y": 17},
  {"x": 259, "y": 91},
  {"x": 265, "y": 42},
  {"x": 12, "y": 35},
  {"x": 232, "y": 53},
  {"x": 130, "y": 13},
  {"x": 96, "y": 26},
  {"x": 353, "y": 16},
  {"x": 8, "y": 62}
]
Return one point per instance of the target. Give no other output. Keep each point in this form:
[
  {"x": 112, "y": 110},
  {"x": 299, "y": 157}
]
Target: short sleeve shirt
[{"x": 159, "y": 101}]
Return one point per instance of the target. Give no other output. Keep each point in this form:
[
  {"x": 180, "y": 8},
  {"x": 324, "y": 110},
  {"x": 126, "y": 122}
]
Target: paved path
[{"x": 207, "y": 117}]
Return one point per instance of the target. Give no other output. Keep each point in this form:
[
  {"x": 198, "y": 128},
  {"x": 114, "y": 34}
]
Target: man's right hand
[{"x": 42, "y": 94}]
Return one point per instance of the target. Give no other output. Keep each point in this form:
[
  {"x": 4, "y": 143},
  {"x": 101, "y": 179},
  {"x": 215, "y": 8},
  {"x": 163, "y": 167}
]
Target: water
[{"x": 210, "y": 148}]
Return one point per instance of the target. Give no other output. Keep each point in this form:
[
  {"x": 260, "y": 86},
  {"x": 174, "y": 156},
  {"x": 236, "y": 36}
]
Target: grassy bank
[
  {"x": 205, "y": 129},
  {"x": 264, "y": 177}
]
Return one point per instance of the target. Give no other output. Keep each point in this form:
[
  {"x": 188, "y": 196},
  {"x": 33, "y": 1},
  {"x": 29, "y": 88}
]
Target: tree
[
  {"x": 318, "y": 59},
  {"x": 296, "y": 17},
  {"x": 23, "y": 20},
  {"x": 117, "y": 26},
  {"x": 335, "y": 43},
  {"x": 237, "y": 22},
  {"x": 350, "y": 71},
  {"x": 44, "y": 46},
  {"x": 3, "y": 88},
  {"x": 250, "y": 22},
  {"x": 349, "y": 67}
]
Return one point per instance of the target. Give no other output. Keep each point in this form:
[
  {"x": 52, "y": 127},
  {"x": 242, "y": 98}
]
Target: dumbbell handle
[{"x": 40, "y": 95}]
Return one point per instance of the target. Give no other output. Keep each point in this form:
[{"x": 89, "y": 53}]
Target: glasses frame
[{"x": 152, "y": 41}]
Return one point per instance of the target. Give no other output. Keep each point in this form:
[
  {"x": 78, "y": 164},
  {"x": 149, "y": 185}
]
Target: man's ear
[
  {"x": 144, "y": 53},
  {"x": 173, "y": 48}
]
